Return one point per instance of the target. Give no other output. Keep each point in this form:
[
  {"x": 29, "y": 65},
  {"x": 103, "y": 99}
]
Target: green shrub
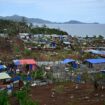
[
  {"x": 24, "y": 98},
  {"x": 4, "y": 98}
]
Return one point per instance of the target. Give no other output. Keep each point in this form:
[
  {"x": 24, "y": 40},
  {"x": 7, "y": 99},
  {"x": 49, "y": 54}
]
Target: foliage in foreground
[
  {"x": 24, "y": 99},
  {"x": 4, "y": 98}
]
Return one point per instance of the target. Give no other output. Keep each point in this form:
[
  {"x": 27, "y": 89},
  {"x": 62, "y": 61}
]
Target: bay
[{"x": 79, "y": 29}]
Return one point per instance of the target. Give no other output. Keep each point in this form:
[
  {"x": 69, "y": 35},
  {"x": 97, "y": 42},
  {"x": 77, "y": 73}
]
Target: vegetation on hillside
[
  {"x": 13, "y": 28},
  {"x": 45, "y": 30}
]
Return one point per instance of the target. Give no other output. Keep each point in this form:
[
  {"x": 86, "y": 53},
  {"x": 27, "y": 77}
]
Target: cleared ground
[{"x": 68, "y": 94}]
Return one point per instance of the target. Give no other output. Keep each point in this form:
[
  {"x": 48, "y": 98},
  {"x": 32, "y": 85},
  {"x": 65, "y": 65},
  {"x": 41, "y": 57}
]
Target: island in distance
[{"x": 41, "y": 21}]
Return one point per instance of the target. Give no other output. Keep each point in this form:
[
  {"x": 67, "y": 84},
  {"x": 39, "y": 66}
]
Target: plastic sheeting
[
  {"x": 95, "y": 61},
  {"x": 67, "y": 61},
  {"x": 2, "y": 67},
  {"x": 96, "y": 52},
  {"x": 24, "y": 61},
  {"x": 4, "y": 75}
]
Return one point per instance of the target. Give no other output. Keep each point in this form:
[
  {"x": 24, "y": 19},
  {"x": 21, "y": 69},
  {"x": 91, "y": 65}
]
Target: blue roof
[
  {"x": 94, "y": 61},
  {"x": 67, "y": 61}
]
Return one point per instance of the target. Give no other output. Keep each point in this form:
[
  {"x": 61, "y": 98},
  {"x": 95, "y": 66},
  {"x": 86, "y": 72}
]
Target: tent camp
[
  {"x": 30, "y": 62},
  {"x": 4, "y": 75}
]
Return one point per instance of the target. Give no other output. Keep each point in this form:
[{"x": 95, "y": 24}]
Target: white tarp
[{"x": 4, "y": 75}]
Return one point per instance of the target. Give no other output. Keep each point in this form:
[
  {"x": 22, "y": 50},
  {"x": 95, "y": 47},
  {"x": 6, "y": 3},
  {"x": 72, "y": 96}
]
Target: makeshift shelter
[
  {"x": 95, "y": 61},
  {"x": 65, "y": 61},
  {"x": 29, "y": 63},
  {"x": 98, "y": 64},
  {"x": 98, "y": 52},
  {"x": 2, "y": 67},
  {"x": 4, "y": 75},
  {"x": 17, "y": 78},
  {"x": 70, "y": 61},
  {"x": 102, "y": 71},
  {"x": 53, "y": 44}
]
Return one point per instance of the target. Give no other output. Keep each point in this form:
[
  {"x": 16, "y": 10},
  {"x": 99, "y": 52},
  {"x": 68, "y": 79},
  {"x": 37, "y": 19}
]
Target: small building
[
  {"x": 24, "y": 36},
  {"x": 96, "y": 52}
]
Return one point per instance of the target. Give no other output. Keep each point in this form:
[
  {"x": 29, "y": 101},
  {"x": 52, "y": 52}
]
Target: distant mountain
[
  {"x": 78, "y": 22},
  {"x": 28, "y": 20},
  {"x": 74, "y": 22},
  {"x": 37, "y": 20}
]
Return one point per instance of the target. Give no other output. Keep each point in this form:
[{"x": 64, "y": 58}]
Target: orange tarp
[{"x": 27, "y": 61}]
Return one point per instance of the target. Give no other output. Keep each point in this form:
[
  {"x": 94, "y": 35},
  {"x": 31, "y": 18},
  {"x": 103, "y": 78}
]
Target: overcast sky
[{"x": 56, "y": 10}]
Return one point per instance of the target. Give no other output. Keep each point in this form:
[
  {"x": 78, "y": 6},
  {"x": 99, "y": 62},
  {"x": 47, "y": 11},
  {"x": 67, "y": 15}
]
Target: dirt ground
[
  {"x": 83, "y": 94},
  {"x": 66, "y": 94}
]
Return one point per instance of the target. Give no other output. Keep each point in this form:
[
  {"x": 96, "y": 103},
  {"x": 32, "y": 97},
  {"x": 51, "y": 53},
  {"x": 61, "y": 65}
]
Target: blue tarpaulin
[
  {"x": 94, "y": 61},
  {"x": 67, "y": 61},
  {"x": 29, "y": 78},
  {"x": 2, "y": 67},
  {"x": 75, "y": 65},
  {"x": 16, "y": 78},
  {"x": 78, "y": 78},
  {"x": 16, "y": 62},
  {"x": 30, "y": 67}
]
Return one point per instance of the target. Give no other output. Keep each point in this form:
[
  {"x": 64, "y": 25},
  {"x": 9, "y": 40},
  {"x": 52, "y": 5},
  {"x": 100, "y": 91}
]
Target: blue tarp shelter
[
  {"x": 65, "y": 61},
  {"x": 95, "y": 61},
  {"x": 72, "y": 61},
  {"x": 2, "y": 67}
]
